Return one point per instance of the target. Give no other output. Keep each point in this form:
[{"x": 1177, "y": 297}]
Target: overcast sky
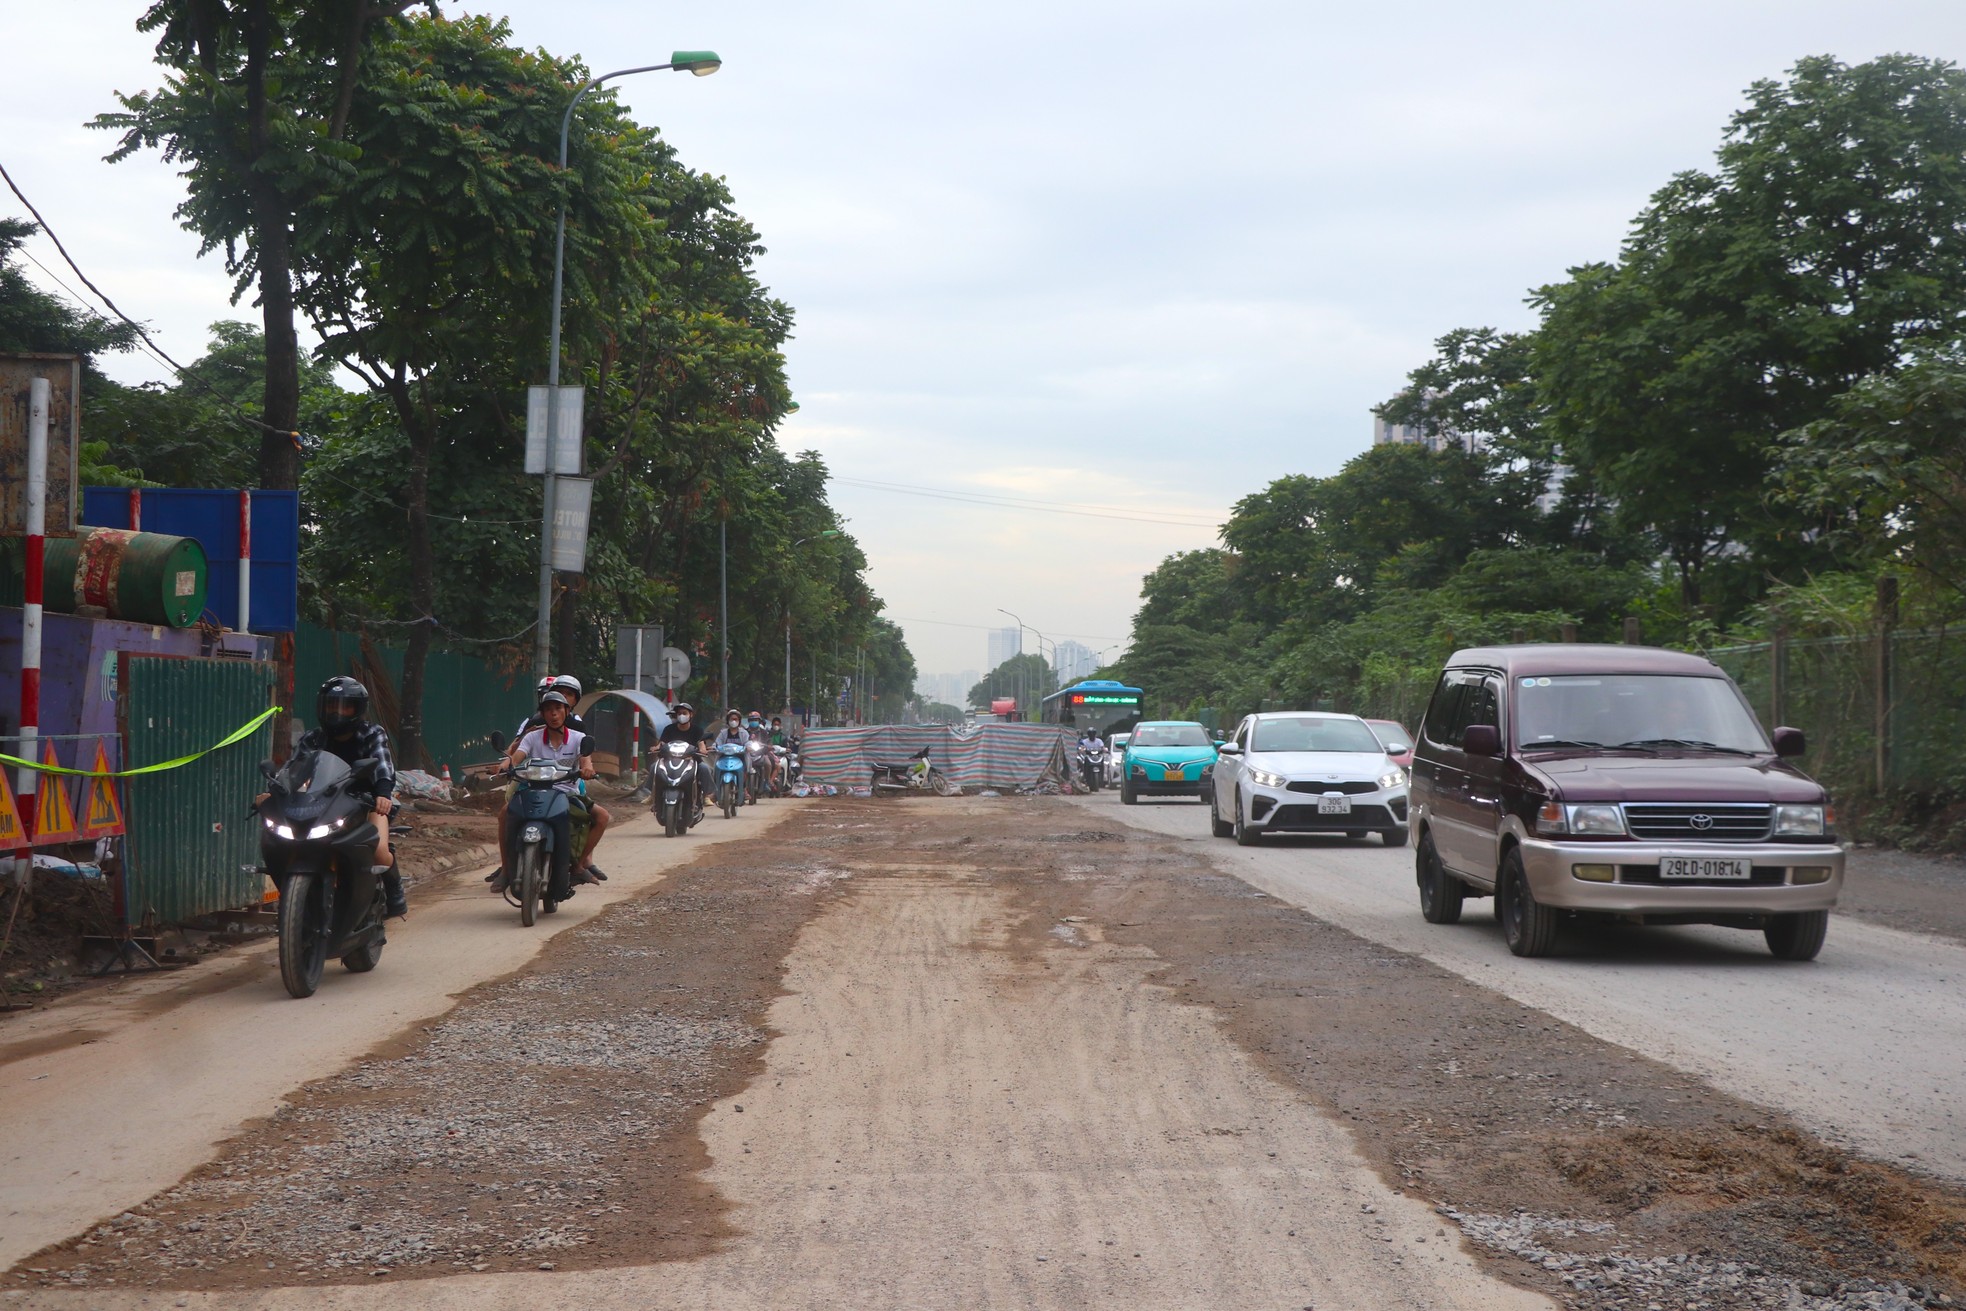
[{"x": 1139, "y": 256}]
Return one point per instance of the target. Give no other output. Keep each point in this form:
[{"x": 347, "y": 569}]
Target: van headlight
[
  {"x": 1588, "y": 819},
  {"x": 1264, "y": 778},
  {"x": 1392, "y": 778},
  {"x": 1799, "y": 822}
]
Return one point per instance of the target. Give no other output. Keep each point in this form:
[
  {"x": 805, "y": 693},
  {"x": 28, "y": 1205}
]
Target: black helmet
[
  {"x": 554, "y": 697},
  {"x": 352, "y": 706},
  {"x": 682, "y": 708}
]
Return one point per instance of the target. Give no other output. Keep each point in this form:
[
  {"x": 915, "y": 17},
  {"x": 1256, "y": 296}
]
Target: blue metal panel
[{"x": 211, "y": 515}]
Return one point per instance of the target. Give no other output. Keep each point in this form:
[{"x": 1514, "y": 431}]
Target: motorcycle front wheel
[
  {"x": 728, "y": 799},
  {"x": 674, "y": 820},
  {"x": 531, "y": 876},
  {"x": 944, "y": 786},
  {"x": 304, "y": 932}
]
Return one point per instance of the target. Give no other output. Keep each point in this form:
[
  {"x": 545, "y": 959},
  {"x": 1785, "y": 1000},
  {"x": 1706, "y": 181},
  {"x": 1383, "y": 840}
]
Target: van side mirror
[
  {"x": 1790, "y": 742},
  {"x": 1482, "y": 740}
]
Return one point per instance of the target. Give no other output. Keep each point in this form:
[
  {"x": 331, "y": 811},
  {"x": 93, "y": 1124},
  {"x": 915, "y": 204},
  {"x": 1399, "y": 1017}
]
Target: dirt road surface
[
  {"x": 113, "y": 1095},
  {"x": 1865, "y": 1045},
  {"x": 958, "y": 1053}
]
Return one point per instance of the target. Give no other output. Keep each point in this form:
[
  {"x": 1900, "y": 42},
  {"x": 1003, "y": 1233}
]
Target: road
[{"x": 1865, "y": 1045}]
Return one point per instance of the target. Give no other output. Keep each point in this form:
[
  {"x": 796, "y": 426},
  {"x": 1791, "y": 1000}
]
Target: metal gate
[{"x": 191, "y": 847}]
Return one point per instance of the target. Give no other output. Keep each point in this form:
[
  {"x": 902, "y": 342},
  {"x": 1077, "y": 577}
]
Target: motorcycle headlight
[
  {"x": 282, "y": 830},
  {"x": 1590, "y": 819},
  {"x": 677, "y": 748},
  {"x": 1799, "y": 822},
  {"x": 533, "y": 833},
  {"x": 1265, "y": 778},
  {"x": 1392, "y": 778},
  {"x": 322, "y": 830}
]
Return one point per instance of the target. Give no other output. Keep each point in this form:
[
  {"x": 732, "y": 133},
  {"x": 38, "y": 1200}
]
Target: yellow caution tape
[{"x": 239, "y": 734}]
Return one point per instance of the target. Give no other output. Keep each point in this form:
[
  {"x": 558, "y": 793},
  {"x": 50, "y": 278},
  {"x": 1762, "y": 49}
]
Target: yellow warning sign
[
  {"x": 54, "y": 817},
  {"x": 102, "y": 814},
  {"x": 11, "y": 833}
]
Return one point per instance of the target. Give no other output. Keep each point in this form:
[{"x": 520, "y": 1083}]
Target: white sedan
[
  {"x": 1115, "y": 754},
  {"x": 1307, "y": 772}
]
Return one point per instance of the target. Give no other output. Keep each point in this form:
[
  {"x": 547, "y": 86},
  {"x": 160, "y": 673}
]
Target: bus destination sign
[{"x": 1103, "y": 699}]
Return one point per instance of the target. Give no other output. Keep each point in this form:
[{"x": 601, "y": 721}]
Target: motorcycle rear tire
[
  {"x": 363, "y": 959},
  {"x": 531, "y": 876},
  {"x": 303, "y": 942}
]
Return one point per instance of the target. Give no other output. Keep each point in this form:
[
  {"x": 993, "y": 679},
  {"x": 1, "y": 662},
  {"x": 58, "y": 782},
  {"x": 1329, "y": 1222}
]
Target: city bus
[{"x": 1099, "y": 702}]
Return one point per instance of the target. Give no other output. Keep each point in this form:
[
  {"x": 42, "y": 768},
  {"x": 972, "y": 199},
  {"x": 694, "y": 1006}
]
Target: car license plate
[
  {"x": 1704, "y": 867},
  {"x": 1334, "y": 805}
]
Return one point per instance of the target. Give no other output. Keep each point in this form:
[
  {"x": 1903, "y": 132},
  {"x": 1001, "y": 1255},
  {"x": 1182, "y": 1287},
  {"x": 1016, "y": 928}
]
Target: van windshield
[{"x": 1663, "y": 712}]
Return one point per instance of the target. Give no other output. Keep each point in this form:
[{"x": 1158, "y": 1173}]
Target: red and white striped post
[
  {"x": 30, "y": 613},
  {"x": 136, "y": 509},
  {"x": 245, "y": 562}
]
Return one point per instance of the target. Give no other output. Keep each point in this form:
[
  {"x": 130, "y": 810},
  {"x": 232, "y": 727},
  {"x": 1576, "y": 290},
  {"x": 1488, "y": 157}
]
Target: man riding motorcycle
[
  {"x": 597, "y": 816},
  {"x": 684, "y": 728},
  {"x": 342, "y": 728},
  {"x": 553, "y": 740},
  {"x": 754, "y": 724}
]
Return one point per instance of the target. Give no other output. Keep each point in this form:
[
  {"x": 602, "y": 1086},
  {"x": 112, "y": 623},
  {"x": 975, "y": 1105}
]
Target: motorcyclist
[
  {"x": 553, "y": 740},
  {"x": 684, "y": 728},
  {"x": 598, "y": 816},
  {"x": 734, "y": 734},
  {"x": 754, "y": 724},
  {"x": 342, "y": 728}
]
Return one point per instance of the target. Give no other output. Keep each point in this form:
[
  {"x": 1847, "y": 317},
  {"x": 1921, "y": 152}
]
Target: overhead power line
[{"x": 996, "y": 501}]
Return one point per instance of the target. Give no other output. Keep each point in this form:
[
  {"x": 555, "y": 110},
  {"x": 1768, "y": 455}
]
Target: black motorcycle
[
  {"x": 536, "y": 803},
  {"x": 1092, "y": 765},
  {"x": 795, "y": 767},
  {"x": 672, "y": 784},
  {"x": 318, "y": 845},
  {"x": 758, "y": 780}
]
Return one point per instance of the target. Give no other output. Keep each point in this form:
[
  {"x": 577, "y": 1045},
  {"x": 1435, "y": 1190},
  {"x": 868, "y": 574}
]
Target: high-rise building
[
  {"x": 1004, "y": 643},
  {"x": 1075, "y": 661},
  {"x": 1406, "y": 434}
]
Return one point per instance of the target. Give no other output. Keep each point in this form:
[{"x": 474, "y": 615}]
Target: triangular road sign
[
  {"x": 11, "y": 833},
  {"x": 102, "y": 814},
  {"x": 54, "y": 817}
]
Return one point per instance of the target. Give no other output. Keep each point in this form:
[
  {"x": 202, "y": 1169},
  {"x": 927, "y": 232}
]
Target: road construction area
[{"x": 1005, "y": 1052}]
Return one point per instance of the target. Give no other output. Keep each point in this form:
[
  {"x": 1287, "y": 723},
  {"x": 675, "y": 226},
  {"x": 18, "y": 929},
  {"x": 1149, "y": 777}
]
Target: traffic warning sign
[
  {"x": 102, "y": 814},
  {"x": 54, "y": 816},
  {"x": 11, "y": 832}
]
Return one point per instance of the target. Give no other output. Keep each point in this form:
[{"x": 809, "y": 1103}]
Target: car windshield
[
  {"x": 1169, "y": 735},
  {"x": 1314, "y": 735},
  {"x": 1395, "y": 738},
  {"x": 1658, "y": 711}
]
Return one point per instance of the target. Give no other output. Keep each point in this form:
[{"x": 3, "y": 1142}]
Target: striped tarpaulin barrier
[{"x": 1002, "y": 756}]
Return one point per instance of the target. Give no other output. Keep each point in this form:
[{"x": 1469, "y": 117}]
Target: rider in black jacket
[{"x": 342, "y": 728}]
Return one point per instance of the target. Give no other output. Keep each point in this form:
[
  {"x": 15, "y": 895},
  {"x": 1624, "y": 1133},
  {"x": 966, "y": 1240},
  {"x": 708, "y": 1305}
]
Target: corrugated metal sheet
[
  {"x": 994, "y": 756},
  {"x": 191, "y": 848},
  {"x": 464, "y": 698}
]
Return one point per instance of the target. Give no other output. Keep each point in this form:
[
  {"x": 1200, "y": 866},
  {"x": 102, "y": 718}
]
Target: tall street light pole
[
  {"x": 1022, "y": 710},
  {"x": 828, "y": 532},
  {"x": 702, "y": 63}
]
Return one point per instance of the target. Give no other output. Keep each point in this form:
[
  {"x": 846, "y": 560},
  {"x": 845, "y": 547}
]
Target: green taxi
[{"x": 1165, "y": 757}]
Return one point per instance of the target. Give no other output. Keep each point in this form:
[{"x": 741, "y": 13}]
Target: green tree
[{"x": 1027, "y": 679}]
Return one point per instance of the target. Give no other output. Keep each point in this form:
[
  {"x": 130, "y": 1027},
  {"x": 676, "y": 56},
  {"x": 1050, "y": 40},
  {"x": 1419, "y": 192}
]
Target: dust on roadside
[{"x": 547, "y": 1122}]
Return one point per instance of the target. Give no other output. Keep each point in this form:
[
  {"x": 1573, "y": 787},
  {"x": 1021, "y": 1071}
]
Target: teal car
[{"x": 1165, "y": 757}]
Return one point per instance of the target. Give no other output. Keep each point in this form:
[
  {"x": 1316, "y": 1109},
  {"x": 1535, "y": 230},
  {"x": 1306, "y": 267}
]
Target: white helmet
[{"x": 569, "y": 684}]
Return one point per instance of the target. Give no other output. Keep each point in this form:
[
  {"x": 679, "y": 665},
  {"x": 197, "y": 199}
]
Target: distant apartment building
[
  {"x": 1004, "y": 643},
  {"x": 1406, "y": 434},
  {"x": 1075, "y": 661},
  {"x": 949, "y": 689}
]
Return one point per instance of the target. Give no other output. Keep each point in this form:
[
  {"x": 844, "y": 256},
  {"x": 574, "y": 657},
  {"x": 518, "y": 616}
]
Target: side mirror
[
  {"x": 267, "y": 768},
  {"x": 1227, "y": 749},
  {"x": 364, "y": 770},
  {"x": 498, "y": 741},
  {"x": 1482, "y": 740},
  {"x": 1790, "y": 742}
]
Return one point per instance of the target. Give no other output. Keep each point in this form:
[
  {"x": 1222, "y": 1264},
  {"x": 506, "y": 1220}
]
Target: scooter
[
  {"x": 1092, "y": 765},
  {"x": 795, "y": 769},
  {"x": 758, "y": 780},
  {"x": 913, "y": 774},
  {"x": 673, "y": 787},
  {"x": 318, "y": 846},
  {"x": 730, "y": 778},
  {"x": 536, "y": 804}
]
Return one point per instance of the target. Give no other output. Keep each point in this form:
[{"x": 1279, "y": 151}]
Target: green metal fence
[
  {"x": 191, "y": 848},
  {"x": 465, "y": 699}
]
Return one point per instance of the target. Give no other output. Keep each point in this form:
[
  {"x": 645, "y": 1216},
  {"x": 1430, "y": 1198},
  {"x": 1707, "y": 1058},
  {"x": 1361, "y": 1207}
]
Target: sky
[{"x": 1104, "y": 267}]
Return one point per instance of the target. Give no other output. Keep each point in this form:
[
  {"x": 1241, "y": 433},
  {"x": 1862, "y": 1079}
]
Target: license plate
[
  {"x": 1334, "y": 805},
  {"x": 1704, "y": 867}
]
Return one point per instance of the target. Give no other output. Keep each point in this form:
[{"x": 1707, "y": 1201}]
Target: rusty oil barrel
[{"x": 149, "y": 578}]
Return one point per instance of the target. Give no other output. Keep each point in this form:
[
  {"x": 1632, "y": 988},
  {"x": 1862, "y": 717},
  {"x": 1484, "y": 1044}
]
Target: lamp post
[
  {"x": 827, "y": 532},
  {"x": 702, "y": 63},
  {"x": 1042, "y": 639}
]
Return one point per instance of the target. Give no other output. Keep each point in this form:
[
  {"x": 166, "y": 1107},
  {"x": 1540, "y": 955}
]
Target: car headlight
[
  {"x": 1588, "y": 819},
  {"x": 1265, "y": 778},
  {"x": 1799, "y": 822},
  {"x": 1392, "y": 778}
]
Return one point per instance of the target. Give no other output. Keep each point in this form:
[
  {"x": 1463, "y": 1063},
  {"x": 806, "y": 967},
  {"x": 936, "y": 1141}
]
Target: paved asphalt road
[{"x": 1866, "y": 1045}]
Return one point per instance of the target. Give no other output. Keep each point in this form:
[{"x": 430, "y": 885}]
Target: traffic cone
[{"x": 447, "y": 775}]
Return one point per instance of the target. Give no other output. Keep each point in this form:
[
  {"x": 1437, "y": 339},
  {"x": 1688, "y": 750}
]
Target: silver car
[
  {"x": 1307, "y": 772},
  {"x": 1115, "y": 754}
]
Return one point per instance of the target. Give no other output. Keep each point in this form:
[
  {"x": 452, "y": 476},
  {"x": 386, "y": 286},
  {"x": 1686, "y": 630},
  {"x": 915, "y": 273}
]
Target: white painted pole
[
  {"x": 245, "y": 562},
  {"x": 30, "y": 622}
]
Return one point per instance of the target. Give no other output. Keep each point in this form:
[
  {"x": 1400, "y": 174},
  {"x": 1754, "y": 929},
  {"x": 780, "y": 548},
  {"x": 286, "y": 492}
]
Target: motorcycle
[
  {"x": 730, "y": 778},
  {"x": 913, "y": 774},
  {"x": 1092, "y": 765},
  {"x": 758, "y": 781},
  {"x": 673, "y": 787},
  {"x": 795, "y": 770},
  {"x": 536, "y": 803},
  {"x": 318, "y": 846},
  {"x": 781, "y": 777}
]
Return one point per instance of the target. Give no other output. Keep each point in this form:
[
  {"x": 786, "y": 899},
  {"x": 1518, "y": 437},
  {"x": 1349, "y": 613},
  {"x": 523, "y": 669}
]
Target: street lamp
[
  {"x": 702, "y": 63},
  {"x": 1042, "y": 639},
  {"x": 827, "y": 532}
]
